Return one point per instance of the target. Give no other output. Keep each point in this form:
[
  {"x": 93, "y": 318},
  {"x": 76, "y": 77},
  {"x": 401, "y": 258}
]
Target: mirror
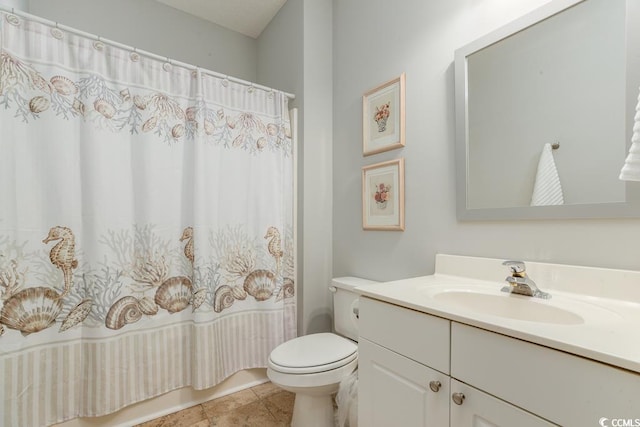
[{"x": 563, "y": 75}]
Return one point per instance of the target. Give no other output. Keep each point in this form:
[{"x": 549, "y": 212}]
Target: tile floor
[{"x": 264, "y": 405}]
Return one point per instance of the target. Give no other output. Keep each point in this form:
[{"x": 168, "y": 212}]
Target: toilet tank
[{"x": 345, "y": 300}]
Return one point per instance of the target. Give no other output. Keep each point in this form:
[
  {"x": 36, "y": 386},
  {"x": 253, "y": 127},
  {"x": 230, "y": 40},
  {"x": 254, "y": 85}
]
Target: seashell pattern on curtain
[{"x": 146, "y": 226}]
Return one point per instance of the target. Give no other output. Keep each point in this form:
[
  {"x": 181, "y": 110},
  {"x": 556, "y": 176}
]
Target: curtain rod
[{"x": 50, "y": 23}]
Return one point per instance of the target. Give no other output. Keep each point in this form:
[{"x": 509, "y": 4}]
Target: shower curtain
[{"x": 146, "y": 225}]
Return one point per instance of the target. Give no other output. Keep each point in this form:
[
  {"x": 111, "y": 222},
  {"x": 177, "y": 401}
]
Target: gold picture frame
[
  {"x": 383, "y": 196},
  {"x": 383, "y": 117}
]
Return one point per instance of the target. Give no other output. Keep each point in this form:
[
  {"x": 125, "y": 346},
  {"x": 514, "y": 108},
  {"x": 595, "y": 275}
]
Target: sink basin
[
  {"x": 508, "y": 305},
  {"x": 486, "y": 299}
]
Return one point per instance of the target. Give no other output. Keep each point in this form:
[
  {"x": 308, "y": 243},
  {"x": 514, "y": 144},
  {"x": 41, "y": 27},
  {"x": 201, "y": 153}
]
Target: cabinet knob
[
  {"x": 458, "y": 398},
  {"x": 435, "y": 386}
]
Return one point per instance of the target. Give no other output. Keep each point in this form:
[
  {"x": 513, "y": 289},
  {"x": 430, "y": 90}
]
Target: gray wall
[
  {"x": 295, "y": 54},
  {"x": 375, "y": 41},
  {"x": 154, "y": 27},
  {"x": 15, "y": 4}
]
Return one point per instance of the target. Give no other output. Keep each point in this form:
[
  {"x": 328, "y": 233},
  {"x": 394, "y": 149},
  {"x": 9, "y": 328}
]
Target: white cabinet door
[
  {"x": 394, "y": 390},
  {"x": 478, "y": 409}
]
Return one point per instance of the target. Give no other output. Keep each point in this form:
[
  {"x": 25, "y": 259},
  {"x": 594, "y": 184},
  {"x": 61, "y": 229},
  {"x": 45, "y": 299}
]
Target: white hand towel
[
  {"x": 547, "y": 189},
  {"x": 631, "y": 169}
]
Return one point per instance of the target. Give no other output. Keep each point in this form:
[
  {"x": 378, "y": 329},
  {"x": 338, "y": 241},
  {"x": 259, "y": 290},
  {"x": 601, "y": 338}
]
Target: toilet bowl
[{"x": 312, "y": 366}]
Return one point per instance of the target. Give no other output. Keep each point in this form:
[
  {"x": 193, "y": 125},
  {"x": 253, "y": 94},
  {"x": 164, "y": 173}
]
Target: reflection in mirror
[{"x": 558, "y": 75}]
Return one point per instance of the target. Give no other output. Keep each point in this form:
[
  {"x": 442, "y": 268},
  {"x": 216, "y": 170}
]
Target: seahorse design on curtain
[
  {"x": 199, "y": 295},
  {"x": 275, "y": 246},
  {"x": 63, "y": 254},
  {"x": 36, "y": 308}
]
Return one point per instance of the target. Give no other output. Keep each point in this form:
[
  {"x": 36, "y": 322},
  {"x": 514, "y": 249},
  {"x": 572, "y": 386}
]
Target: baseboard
[{"x": 171, "y": 402}]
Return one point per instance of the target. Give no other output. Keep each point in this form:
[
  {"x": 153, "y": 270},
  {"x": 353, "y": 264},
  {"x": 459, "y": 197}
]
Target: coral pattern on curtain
[{"x": 146, "y": 226}]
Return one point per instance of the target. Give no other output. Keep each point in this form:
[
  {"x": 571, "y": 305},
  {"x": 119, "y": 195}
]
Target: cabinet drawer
[
  {"x": 560, "y": 387},
  {"x": 416, "y": 335}
]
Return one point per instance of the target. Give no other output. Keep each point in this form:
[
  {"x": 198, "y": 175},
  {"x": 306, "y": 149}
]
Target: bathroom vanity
[{"x": 451, "y": 349}]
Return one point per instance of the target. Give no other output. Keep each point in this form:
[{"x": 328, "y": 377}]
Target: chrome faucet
[{"x": 520, "y": 283}]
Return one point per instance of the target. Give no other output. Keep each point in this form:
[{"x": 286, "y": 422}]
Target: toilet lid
[{"x": 313, "y": 353}]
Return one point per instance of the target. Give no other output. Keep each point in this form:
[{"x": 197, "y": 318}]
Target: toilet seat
[{"x": 313, "y": 353}]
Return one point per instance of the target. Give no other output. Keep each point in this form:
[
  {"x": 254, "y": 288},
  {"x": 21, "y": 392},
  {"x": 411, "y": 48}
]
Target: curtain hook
[
  {"x": 134, "y": 55},
  {"x": 57, "y": 33},
  {"x": 167, "y": 65},
  {"x": 251, "y": 88},
  {"x": 98, "y": 45},
  {"x": 225, "y": 81}
]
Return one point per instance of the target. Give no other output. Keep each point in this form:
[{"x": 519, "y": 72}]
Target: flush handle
[
  {"x": 435, "y": 386},
  {"x": 458, "y": 398}
]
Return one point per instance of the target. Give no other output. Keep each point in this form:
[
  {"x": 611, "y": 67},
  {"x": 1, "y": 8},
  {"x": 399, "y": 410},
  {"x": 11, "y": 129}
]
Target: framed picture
[
  {"x": 383, "y": 117},
  {"x": 383, "y": 196}
]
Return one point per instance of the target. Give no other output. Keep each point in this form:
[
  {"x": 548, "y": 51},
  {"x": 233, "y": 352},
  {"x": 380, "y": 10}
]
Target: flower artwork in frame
[
  {"x": 383, "y": 117},
  {"x": 383, "y": 196}
]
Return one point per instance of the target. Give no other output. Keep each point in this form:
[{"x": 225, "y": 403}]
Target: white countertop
[{"x": 609, "y": 332}]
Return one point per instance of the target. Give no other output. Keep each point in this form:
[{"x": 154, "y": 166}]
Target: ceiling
[{"x": 248, "y": 17}]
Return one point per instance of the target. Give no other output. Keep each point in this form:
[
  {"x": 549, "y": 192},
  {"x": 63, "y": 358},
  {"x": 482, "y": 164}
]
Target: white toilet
[{"x": 312, "y": 366}]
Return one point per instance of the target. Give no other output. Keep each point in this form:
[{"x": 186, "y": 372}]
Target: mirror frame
[{"x": 628, "y": 209}]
